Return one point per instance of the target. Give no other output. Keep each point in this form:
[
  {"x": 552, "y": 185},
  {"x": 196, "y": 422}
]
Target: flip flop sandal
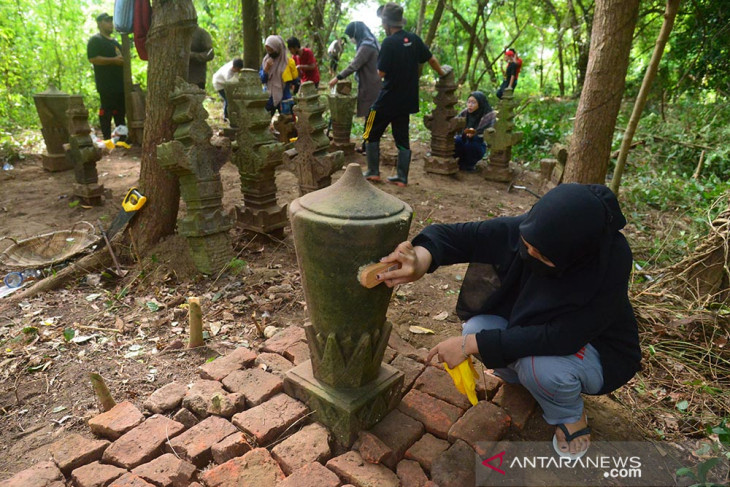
[{"x": 570, "y": 437}]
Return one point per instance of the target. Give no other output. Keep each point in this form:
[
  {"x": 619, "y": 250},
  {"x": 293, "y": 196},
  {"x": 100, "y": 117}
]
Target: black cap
[{"x": 104, "y": 16}]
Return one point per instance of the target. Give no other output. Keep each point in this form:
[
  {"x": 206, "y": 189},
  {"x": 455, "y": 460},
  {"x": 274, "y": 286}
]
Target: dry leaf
[
  {"x": 419, "y": 330},
  {"x": 441, "y": 316}
]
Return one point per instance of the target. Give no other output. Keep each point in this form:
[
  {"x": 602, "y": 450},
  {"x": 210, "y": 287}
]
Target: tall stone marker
[
  {"x": 444, "y": 125},
  {"x": 337, "y": 231},
  {"x": 82, "y": 153},
  {"x": 197, "y": 164},
  {"x": 310, "y": 159},
  {"x": 256, "y": 156},
  {"x": 500, "y": 140},
  {"x": 342, "y": 109}
]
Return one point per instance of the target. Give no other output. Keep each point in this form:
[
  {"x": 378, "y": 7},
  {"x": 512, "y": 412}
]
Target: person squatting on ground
[
  {"x": 280, "y": 75},
  {"x": 364, "y": 65},
  {"x": 304, "y": 61},
  {"x": 105, "y": 53},
  {"x": 559, "y": 321},
  {"x": 201, "y": 52},
  {"x": 514, "y": 65},
  {"x": 227, "y": 73},
  {"x": 401, "y": 53},
  {"x": 334, "y": 51},
  {"x": 469, "y": 146}
]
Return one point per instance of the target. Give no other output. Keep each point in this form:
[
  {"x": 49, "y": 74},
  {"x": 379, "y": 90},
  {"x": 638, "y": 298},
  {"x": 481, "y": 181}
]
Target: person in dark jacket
[
  {"x": 469, "y": 146},
  {"x": 557, "y": 318},
  {"x": 201, "y": 52}
]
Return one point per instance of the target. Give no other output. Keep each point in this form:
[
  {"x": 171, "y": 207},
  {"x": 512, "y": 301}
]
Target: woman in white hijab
[{"x": 279, "y": 73}]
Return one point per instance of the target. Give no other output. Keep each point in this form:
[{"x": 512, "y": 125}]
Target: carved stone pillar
[
  {"x": 310, "y": 159},
  {"x": 197, "y": 164},
  {"x": 51, "y": 106},
  {"x": 345, "y": 383},
  {"x": 500, "y": 138},
  {"x": 342, "y": 108},
  {"x": 444, "y": 125},
  {"x": 256, "y": 157},
  {"x": 82, "y": 153}
]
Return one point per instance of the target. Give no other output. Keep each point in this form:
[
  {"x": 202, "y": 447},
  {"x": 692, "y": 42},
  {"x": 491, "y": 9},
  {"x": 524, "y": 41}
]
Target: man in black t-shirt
[
  {"x": 512, "y": 72},
  {"x": 105, "y": 54},
  {"x": 401, "y": 53}
]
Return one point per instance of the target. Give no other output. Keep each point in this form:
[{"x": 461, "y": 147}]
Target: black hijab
[{"x": 473, "y": 118}]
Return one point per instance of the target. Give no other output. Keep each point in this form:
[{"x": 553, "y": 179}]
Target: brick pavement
[{"x": 236, "y": 427}]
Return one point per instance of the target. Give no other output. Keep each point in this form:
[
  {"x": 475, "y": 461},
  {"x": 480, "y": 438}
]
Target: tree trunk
[
  {"x": 168, "y": 45},
  {"x": 421, "y": 18},
  {"x": 472, "y": 29},
  {"x": 251, "y": 34},
  {"x": 270, "y": 17},
  {"x": 590, "y": 146},
  {"x": 670, "y": 13},
  {"x": 580, "y": 43},
  {"x": 437, "y": 13}
]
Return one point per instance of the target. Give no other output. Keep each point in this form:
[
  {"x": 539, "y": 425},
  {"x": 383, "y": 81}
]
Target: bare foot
[{"x": 578, "y": 444}]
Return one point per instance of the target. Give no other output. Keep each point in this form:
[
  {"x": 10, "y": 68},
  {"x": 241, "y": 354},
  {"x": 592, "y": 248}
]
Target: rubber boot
[
  {"x": 404, "y": 163},
  {"x": 372, "y": 150}
]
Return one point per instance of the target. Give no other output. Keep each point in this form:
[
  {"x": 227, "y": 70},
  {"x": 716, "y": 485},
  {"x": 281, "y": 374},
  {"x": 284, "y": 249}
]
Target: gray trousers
[{"x": 556, "y": 382}]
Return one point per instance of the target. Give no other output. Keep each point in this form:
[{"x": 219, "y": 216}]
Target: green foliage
[
  {"x": 718, "y": 451},
  {"x": 543, "y": 122}
]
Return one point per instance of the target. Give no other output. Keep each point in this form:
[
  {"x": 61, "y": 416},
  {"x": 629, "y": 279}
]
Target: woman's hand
[
  {"x": 333, "y": 82},
  {"x": 268, "y": 65},
  {"x": 448, "y": 351},
  {"x": 470, "y": 132},
  {"x": 414, "y": 262}
]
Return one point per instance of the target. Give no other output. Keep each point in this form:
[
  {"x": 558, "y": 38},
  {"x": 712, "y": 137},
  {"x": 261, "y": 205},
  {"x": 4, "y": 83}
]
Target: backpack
[
  {"x": 124, "y": 16},
  {"x": 518, "y": 60}
]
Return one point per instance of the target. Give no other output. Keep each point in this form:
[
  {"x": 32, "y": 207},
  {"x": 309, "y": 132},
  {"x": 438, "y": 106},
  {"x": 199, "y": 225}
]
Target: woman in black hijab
[
  {"x": 557, "y": 317},
  {"x": 469, "y": 146}
]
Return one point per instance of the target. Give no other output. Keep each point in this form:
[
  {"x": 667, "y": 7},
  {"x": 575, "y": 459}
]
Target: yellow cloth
[
  {"x": 464, "y": 377},
  {"x": 290, "y": 72}
]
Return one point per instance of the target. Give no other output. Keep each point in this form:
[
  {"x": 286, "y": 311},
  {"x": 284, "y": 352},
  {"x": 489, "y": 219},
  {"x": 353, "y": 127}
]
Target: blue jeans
[{"x": 556, "y": 382}]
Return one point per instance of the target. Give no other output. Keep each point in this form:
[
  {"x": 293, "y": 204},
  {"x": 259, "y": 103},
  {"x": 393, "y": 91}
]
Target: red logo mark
[
  {"x": 405, "y": 39},
  {"x": 496, "y": 469}
]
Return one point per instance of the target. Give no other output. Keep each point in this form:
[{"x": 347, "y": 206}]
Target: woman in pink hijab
[{"x": 279, "y": 73}]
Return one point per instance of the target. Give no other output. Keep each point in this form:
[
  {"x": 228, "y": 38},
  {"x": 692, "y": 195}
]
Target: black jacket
[{"x": 585, "y": 300}]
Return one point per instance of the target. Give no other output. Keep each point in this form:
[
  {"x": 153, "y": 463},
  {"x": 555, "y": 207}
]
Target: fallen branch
[
  {"x": 106, "y": 401},
  {"x": 195, "y": 318}
]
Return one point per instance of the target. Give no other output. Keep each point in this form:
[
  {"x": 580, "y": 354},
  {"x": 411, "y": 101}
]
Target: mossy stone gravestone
[
  {"x": 500, "y": 140},
  {"x": 444, "y": 125},
  {"x": 82, "y": 153},
  {"x": 337, "y": 230},
  {"x": 51, "y": 106},
  {"x": 342, "y": 108}
]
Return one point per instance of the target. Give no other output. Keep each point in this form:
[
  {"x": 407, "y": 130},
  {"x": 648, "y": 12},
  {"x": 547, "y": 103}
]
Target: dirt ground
[{"x": 123, "y": 329}]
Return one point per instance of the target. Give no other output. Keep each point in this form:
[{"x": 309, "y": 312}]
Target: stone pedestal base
[
  {"x": 270, "y": 221},
  {"x": 210, "y": 253},
  {"x": 56, "y": 162},
  {"x": 347, "y": 148},
  {"x": 89, "y": 194},
  {"x": 499, "y": 173},
  {"x": 346, "y": 411},
  {"x": 441, "y": 165}
]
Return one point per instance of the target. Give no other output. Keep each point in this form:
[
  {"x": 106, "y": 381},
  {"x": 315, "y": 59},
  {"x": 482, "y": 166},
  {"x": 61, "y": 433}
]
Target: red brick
[
  {"x": 229, "y": 447},
  {"x": 207, "y": 397},
  {"x": 287, "y": 337},
  {"x": 255, "y": 469},
  {"x": 404, "y": 348},
  {"x": 186, "y": 418},
  {"x": 426, "y": 450},
  {"x": 439, "y": 384},
  {"x": 310, "y": 444},
  {"x": 455, "y": 467},
  {"x": 517, "y": 401},
  {"x": 143, "y": 443},
  {"x": 411, "y": 474},
  {"x": 194, "y": 445},
  {"x": 373, "y": 450},
  {"x": 74, "y": 451},
  {"x": 273, "y": 363},
  {"x": 389, "y": 355},
  {"x": 483, "y": 422},
  {"x": 410, "y": 368},
  {"x": 117, "y": 421},
  {"x": 255, "y": 384},
  {"x": 167, "y": 471},
  {"x": 269, "y": 420},
  {"x": 130, "y": 480},
  {"x": 350, "y": 467},
  {"x": 44, "y": 474},
  {"x": 96, "y": 475},
  {"x": 224, "y": 365},
  {"x": 399, "y": 432},
  {"x": 166, "y": 398},
  {"x": 311, "y": 475},
  {"x": 436, "y": 415},
  {"x": 298, "y": 353}
]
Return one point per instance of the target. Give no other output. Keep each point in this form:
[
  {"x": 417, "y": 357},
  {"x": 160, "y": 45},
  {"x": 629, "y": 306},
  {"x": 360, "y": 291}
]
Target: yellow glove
[{"x": 464, "y": 377}]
